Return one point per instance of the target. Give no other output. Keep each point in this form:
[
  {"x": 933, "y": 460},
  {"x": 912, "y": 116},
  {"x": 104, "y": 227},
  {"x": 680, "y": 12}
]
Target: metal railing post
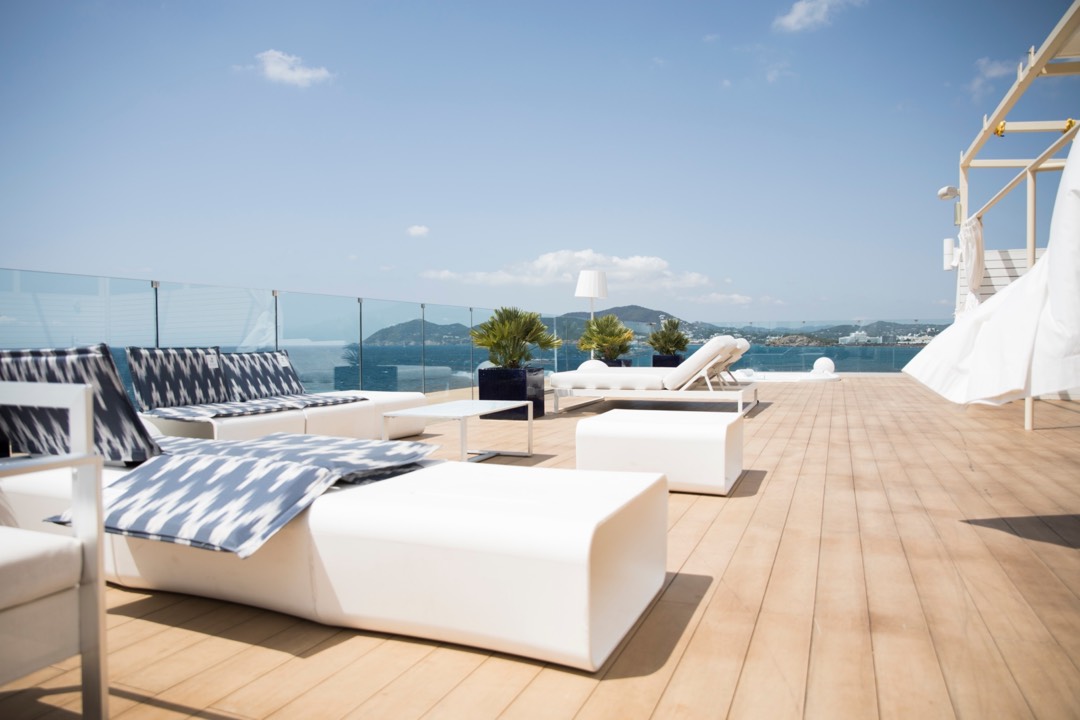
[{"x": 157, "y": 315}]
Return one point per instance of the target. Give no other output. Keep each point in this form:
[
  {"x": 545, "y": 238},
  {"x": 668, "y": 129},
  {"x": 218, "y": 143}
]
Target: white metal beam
[
  {"x": 1056, "y": 164},
  {"x": 1055, "y": 42}
]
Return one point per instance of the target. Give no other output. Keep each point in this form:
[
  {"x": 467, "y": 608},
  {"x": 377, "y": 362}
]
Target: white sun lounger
[{"x": 705, "y": 367}]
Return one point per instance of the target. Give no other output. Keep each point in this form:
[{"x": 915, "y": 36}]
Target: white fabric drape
[
  {"x": 1025, "y": 340},
  {"x": 971, "y": 250}
]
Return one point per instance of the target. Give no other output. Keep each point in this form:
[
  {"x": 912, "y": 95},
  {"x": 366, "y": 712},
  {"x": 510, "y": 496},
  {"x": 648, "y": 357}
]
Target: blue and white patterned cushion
[
  {"x": 350, "y": 459},
  {"x": 308, "y": 400},
  {"x": 198, "y": 413},
  {"x": 170, "y": 377},
  {"x": 233, "y": 495},
  {"x": 256, "y": 375},
  {"x": 227, "y": 503},
  {"x": 119, "y": 435}
]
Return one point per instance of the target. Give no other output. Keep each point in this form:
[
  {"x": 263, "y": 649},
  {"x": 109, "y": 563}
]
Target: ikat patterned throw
[
  {"x": 234, "y": 495},
  {"x": 351, "y": 460}
]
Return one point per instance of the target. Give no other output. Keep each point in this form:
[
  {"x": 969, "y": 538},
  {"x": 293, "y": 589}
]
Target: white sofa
[
  {"x": 357, "y": 419},
  {"x": 201, "y": 392}
]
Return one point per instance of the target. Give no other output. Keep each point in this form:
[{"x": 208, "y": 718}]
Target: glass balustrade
[{"x": 343, "y": 343}]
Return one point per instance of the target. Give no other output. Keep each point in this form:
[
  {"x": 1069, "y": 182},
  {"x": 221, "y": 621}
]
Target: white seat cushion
[
  {"x": 610, "y": 379},
  {"x": 34, "y": 565}
]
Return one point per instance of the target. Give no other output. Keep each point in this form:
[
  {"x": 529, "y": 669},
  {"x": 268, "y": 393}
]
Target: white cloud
[
  {"x": 769, "y": 300},
  {"x": 284, "y": 68},
  {"x": 725, "y": 83},
  {"x": 562, "y": 267},
  {"x": 417, "y": 230},
  {"x": 810, "y": 14},
  {"x": 776, "y": 71},
  {"x": 711, "y": 37},
  {"x": 987, "y": 70},
  {"x": 659, "y": 62},
  {"x": 724, "y": 299}
]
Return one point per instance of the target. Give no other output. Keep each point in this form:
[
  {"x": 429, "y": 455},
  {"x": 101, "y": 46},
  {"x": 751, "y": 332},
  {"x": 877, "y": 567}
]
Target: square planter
[
  {"x": 666, "y": 360},
  {"x": 525, "y": 383}
]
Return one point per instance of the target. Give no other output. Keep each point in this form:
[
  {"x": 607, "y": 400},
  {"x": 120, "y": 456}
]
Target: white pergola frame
[{"x": 1058, "y": 56}]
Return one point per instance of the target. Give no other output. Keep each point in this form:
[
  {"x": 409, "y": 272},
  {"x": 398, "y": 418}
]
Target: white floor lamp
[{"x": 591, "y": 284}]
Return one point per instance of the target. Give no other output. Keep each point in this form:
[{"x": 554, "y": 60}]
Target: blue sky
[{"x": 722, "y": 161}]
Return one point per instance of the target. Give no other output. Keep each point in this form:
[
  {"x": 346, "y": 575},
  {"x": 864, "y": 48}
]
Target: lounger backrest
[
  {"x": 694, "y": 364},
  {"x": 256, "y": 375},
  {"x": 119, "y": 434},
  {"x": 741, "y": 346},
  {"x": 170, "y": 377}
]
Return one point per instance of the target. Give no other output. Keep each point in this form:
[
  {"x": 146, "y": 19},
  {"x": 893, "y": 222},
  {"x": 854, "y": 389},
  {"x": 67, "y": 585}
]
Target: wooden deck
[{"x": 886, "y": 554}]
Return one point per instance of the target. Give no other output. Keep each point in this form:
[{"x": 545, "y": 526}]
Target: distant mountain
[
  {"x": 626, "y": 313},
  {"x": 410, "y": 333}
]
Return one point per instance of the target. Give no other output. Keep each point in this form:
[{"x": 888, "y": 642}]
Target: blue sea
[{"x": 442, "y": 367}]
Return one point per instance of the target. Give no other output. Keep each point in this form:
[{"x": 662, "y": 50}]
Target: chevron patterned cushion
[
  {"x": 119, "y": 434},
  {"x": 169, "y": 377},
  {"x": 255, "y": 375}
]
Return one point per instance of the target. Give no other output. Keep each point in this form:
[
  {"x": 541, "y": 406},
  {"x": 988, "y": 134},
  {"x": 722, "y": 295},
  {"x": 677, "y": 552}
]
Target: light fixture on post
[
  {"x": 950, "y": 192},
  {"x": 591, "y": 284}
]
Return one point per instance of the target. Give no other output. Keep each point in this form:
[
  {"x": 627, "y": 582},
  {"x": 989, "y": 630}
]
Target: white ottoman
[{"x": 700, "y": 452}]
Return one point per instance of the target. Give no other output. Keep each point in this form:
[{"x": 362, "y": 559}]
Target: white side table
[{"x": 461, "y": 411}]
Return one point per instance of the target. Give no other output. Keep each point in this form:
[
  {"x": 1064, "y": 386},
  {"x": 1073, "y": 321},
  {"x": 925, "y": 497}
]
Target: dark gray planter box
[
  {"x": 525, "y": 383},
  {"x": 666, "y": 360}
]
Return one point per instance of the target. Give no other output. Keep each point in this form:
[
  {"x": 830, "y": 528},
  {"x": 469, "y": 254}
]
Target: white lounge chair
[
  {"x": 52, "y": 588},
  {"x": 705, "y": 367},
  {"x": 547, "y": 563}
]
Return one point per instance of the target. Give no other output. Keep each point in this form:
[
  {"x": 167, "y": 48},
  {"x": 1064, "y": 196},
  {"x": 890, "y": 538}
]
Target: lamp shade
[{"x": 591, "y": 284}]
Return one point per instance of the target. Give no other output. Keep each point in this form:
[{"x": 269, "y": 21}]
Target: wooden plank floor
[{"x": 886, "y": 554}]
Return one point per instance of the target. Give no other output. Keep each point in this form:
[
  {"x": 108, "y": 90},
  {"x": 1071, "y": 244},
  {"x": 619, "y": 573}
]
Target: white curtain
[
  {"x": 971, "y": 250},
  {"x": 1025, "y": 340}
]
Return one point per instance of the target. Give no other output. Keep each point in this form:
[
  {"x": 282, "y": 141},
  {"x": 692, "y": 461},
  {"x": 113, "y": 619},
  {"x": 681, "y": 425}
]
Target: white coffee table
[{"x": 462, "y": 410}]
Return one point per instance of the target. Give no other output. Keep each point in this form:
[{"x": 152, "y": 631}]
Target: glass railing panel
[
  {"x": 52, "y": 310},
  {"x": 234, "y": 319},
  {"x": 322, "y": 336},
  {"x": 449, "y": 357},
  {"x": 480, "y": 356},
  {"x": 44, "y": 310},
  {"x": 392, "y": 350},
  {"x": 569, "y": 329}
]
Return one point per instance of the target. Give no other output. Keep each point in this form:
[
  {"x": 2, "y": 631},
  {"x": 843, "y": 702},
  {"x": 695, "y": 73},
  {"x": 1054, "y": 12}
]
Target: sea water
[{"x": 446, "y": 367}]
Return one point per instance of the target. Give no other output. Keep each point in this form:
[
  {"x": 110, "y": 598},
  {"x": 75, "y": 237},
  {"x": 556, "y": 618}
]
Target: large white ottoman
[
  {"x": 550, "y": 563},
  {"x": 700, "y": 452}
]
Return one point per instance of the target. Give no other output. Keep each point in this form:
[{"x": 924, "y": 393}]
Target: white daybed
[
  {"x": 547, "y": 563},
  {"x": 704, "y": 367}
]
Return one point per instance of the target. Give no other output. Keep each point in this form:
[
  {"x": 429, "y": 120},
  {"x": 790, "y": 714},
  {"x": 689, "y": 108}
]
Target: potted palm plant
[
  {"x": 668, "y": 342},
  {"x": 509, "y": 336},
  {"x": 608, "y": 338}
]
